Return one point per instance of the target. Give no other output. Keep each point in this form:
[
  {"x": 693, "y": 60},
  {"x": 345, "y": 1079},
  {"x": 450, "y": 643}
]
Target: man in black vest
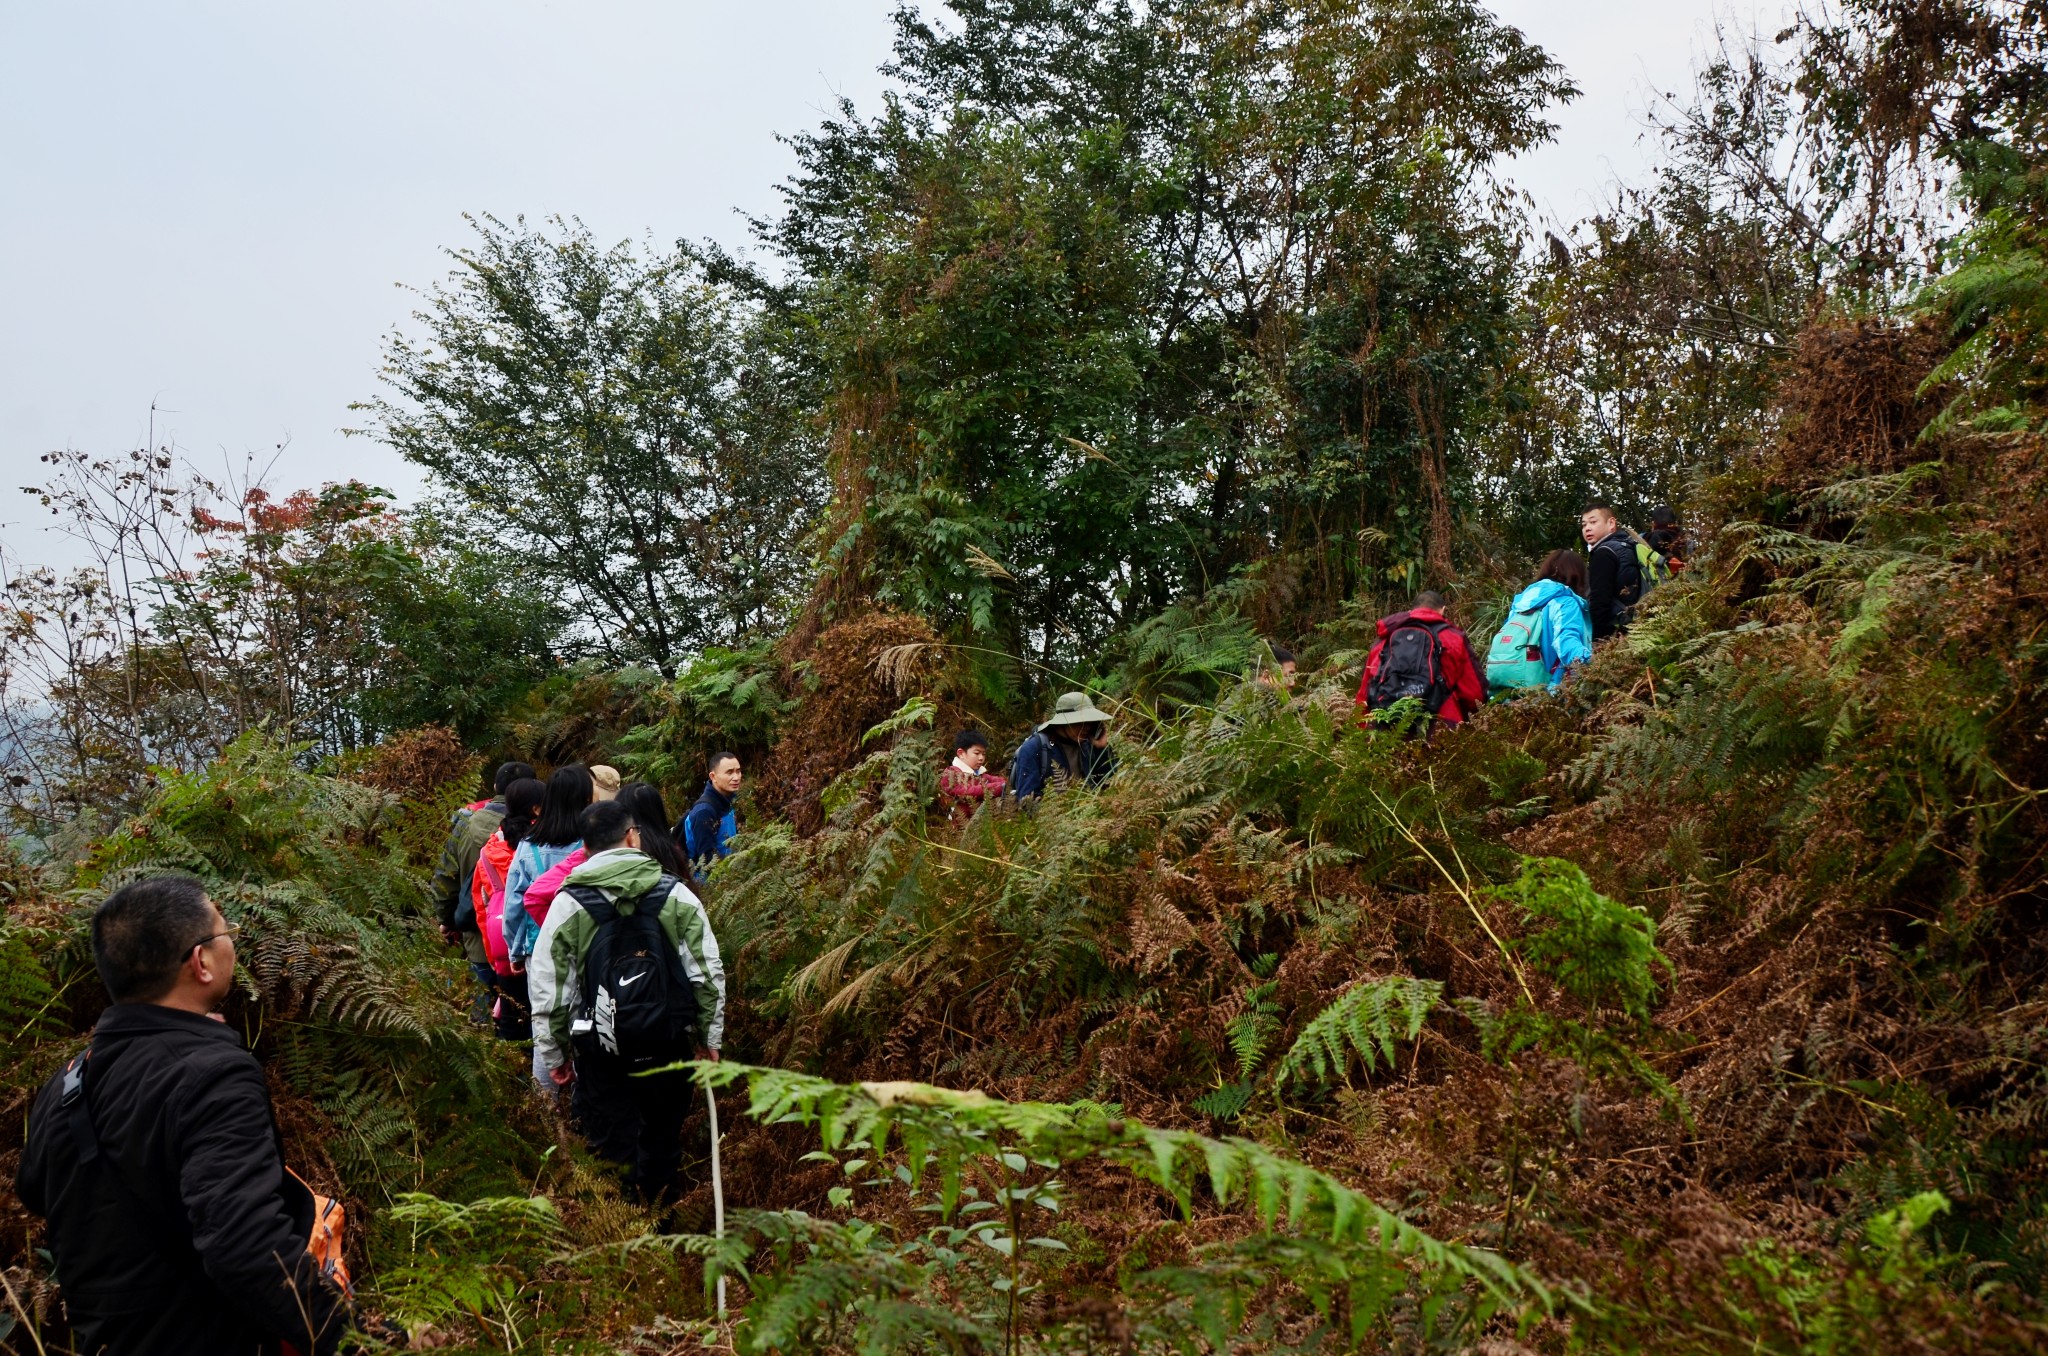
[{"x": 156, "y": 1157}]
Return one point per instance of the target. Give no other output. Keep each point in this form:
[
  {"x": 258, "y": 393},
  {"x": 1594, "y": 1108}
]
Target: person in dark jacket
[
  {"x": 1070, "y": 749},
  {"x": 172, "y": 1222},
  {"x": 1614, "y": 574},
  {"x": 711, "y": 822},
  {"x": 469, "y": 829}
]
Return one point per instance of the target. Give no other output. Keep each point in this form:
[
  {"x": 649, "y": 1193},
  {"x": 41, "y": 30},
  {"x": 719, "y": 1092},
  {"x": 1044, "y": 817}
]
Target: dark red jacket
[{"x": 1468, "y": 693}]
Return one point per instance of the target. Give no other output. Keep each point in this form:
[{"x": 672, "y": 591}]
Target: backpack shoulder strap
[
  {"x": 657, "y": 896},
  {"x": 77, "y": 1111},
  {"x": 593, "y": 901},
  {"x": 86, "y": 1138}
]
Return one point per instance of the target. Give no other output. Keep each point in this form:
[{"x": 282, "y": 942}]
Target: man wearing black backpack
[
  {"x": 626, "y": 977},
  {"x": 1421, "y": 655},
  {"x": 1614, "y": 571}
]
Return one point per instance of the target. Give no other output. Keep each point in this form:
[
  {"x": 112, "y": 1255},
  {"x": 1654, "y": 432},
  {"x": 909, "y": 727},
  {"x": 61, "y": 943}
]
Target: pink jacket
[{"x": 542, "y": 892}]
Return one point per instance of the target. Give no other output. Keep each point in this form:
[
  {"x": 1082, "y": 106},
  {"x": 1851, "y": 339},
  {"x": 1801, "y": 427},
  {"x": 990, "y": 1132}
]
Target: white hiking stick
[{"x": 717, "y": 1191}]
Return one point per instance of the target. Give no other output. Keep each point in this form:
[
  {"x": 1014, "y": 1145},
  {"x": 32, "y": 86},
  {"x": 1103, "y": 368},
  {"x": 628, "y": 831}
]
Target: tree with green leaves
[
  {"x": 626, "y": 432},
  {"x": 1218, "y": 283}
]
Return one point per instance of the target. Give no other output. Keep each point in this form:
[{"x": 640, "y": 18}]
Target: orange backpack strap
[{"x": 328, "y": 1238}]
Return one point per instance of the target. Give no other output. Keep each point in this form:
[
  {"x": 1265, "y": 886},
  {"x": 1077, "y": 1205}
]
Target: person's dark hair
[
  {"x": 509, "y": 773},
  {"x": 1567, "y": 567},
  {"x": 604, "y": 826},
  {"x": 1430, "y": 599},
  {"x": 651, "y": 814},
  {"x": 1282, "y": 655},
  {"x": 969, "y": 739},
  {"x": 1607, "y": 509},
  {"x": 523, "y": 802},
  {"x": 569, "y": 792},
  {"x": 1662, "y": 539},
  {"x": 1662, "y": 516},
  {"x": 719, "y": 758},
  {"x": 144, "y": 931}
]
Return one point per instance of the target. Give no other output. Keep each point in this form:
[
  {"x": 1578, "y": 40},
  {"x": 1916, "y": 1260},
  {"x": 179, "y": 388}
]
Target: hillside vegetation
[{"x": 1699, "y": 1007}]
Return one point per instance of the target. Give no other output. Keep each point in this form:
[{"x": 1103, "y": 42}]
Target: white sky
[{"x": 206, "y": 205}]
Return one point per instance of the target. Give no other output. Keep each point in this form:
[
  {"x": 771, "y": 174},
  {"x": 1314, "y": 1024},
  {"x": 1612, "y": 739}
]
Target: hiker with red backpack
[
  {"x": 469, "y": 828},
  {"x": 626, "y": 979},
  {"x": 523, "y": 802},
  {"x": 1548, "y": 631},
  {"x": 1421, "y": 655}
]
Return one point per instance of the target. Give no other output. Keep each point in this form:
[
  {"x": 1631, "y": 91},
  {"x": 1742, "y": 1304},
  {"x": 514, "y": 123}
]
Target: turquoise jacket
[{"x": 1567, "y": 626}]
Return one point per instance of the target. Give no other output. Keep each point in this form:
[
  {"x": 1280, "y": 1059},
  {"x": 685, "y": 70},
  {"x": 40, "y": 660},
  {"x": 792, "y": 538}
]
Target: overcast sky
[{"x": 208, "y": 205}]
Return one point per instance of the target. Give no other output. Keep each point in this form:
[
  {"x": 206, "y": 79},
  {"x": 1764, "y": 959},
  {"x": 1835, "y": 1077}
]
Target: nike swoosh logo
[{"x": 634, "y": 980}]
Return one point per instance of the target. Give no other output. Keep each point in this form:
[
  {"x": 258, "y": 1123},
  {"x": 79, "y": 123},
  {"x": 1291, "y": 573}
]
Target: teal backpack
[{"x": 1515, "y": 659}]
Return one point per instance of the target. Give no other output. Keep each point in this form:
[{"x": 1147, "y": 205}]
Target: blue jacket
[
  {"x": 529, "y": 863},
  {"x": 1038, "y": 762},
  {"x": 707, "y": 828},
  {"x": 1567, "y": 625}
]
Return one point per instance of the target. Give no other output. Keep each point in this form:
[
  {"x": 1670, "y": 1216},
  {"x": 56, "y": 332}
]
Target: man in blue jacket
[{"x": 710, "y": 824}]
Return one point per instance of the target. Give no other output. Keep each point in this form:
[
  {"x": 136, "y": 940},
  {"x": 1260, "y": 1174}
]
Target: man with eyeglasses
[{"x": 156, "y": 1157}]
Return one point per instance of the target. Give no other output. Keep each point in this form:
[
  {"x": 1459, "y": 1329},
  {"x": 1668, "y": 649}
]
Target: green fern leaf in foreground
[
  {"x": 1367, "y": 1020},
  {"x": 1306, "y": 1234}
]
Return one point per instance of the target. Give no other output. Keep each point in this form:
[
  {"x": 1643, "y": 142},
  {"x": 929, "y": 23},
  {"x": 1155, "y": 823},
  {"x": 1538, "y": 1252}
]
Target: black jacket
[
  {"x": 1614, "y": 582},
  {"x": 185, "y": 1234}
]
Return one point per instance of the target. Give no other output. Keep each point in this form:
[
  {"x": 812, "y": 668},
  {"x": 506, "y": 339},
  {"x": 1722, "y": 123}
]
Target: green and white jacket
[{"x": 553, "y": 975}]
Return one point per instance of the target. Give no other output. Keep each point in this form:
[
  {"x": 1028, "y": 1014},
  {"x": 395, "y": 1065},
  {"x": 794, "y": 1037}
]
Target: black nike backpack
[
  {"x": 1411, "y": 665},
  {"x": 636, "y": 1005}
]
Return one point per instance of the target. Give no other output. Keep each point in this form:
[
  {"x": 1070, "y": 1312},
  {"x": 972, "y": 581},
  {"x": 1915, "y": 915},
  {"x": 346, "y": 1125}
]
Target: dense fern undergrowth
[{"x": 1697, "y": 1008}]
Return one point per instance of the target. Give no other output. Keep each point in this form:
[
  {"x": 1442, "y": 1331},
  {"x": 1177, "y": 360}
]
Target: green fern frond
[{"x": 1366, "y": 1020}]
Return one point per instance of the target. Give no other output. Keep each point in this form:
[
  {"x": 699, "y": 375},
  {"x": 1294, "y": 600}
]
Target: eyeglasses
[{"x": 233, "y": 930}]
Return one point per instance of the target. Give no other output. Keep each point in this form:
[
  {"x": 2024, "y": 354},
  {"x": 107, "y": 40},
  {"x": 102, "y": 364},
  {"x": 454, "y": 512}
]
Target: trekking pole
[{"x": 717, "y": 1191}]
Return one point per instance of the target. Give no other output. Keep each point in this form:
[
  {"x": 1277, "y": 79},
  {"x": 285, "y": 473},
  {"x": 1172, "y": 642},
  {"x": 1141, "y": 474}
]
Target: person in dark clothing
[
  {"x": 1072, "y": 748},
  {"x": 1614, "y": 574},
  {"x": 173, "y": 1223},
  {"x": 711, "y": 822}
]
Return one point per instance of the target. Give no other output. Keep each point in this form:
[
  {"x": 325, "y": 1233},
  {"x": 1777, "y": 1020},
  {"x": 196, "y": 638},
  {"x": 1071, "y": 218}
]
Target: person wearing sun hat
[{"x": 1072, "y": 748}]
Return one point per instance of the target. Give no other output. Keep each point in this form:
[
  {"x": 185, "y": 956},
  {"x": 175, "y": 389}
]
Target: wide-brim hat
[{"x": 1074, "y": 708}]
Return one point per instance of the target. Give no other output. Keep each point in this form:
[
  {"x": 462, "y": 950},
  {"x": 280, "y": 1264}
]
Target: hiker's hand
[
  {"x": 708, "y": 1055},
  {"x": 518, "y": 965},
  {"x": 450, "y": 936},
  {"x": 562, "y": 1075}
]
